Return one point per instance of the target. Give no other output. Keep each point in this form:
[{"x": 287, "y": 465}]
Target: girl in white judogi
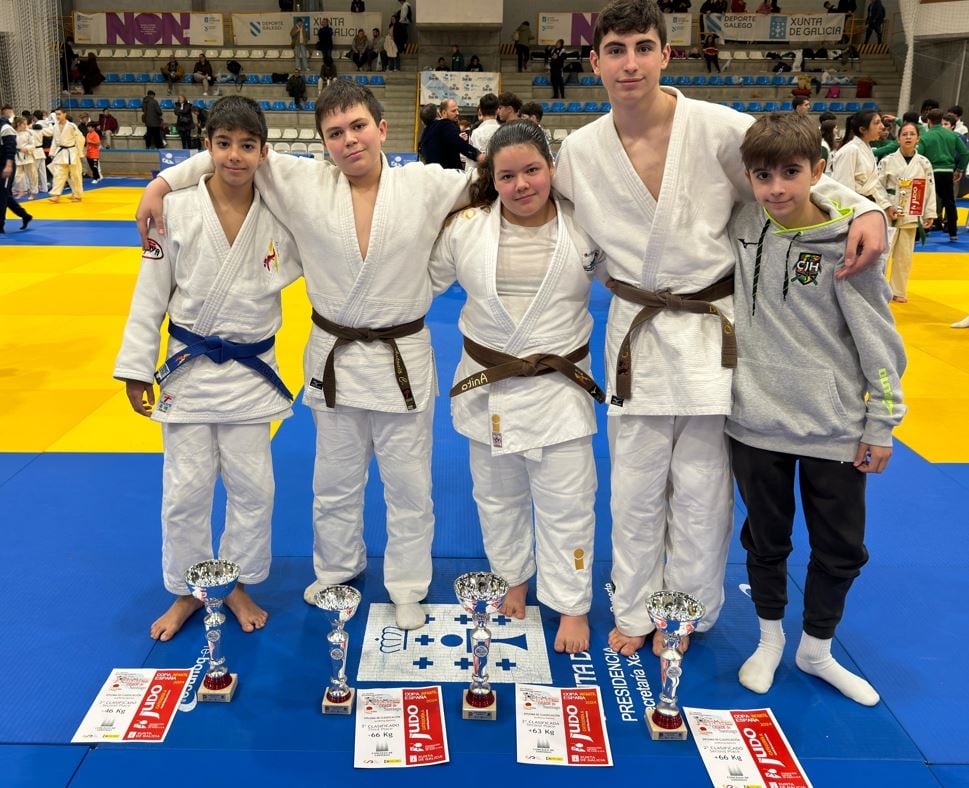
[
  {"x": 854, "y": 163},
  {"x": 522, "y": 388},
  {"x": 67, "y": 153},
  {"x": 906, "y": 192},
  {"x": 25, "y": 181}
]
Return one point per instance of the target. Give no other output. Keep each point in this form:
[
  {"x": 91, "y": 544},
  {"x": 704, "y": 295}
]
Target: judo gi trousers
[
  {"x": 561, "y": 484},
  {"x": 346, "y": 439},
  {"x": 903, "y": 248},
  {"x": 672, "y": 513},
  {"x": 195, "y": 454},
  {"x": 833, "y": 500},
  {"x": 68, "y": 173}
]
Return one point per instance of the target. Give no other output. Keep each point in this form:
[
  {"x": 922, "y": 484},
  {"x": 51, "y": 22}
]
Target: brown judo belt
[
  {"x": 346, "y": 335},
  {"x": 500, "y": 366},
  {"x": 653, "y": 304}
]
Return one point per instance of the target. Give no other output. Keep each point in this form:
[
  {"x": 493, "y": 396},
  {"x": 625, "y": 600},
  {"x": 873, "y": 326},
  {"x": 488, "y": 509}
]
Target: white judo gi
[
  {"x": 215, "y": 417},
  {"x": 66, "y": 154},
  {"x": 672, "y": 492},
  {"x": 855, "y": 167},
  {"x": 390, "y": 287},
  {"x": 909, "y": 187},
  {"x": 531, "y": 437}
]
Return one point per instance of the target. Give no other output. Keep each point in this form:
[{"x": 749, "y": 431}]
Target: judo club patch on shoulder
[
  {"x": 153, "y": 252},
  {"x": 807, "y": 269},
  {"x": 440, "y": 651}
]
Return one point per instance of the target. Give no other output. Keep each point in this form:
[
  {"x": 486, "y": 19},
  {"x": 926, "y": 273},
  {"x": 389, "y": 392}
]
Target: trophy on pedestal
[
  {"x": 480, "y": 594},
  {"x": 211, "y": 582},
  {"x": 676, "y": 615},
  {"x": 339, "y": 603}
]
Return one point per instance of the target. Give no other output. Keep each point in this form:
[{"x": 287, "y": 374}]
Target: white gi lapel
[
  {"x": 489, "y": 256},
  {"x": 363, "y": 270},
  {"x": 232, "y": 257}
]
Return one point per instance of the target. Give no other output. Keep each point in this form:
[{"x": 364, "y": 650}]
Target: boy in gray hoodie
[{"x": 816, "y": 385}]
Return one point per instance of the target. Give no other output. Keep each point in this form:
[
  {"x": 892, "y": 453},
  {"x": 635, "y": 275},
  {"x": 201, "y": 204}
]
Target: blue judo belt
[{"x": 221, "y": 350}]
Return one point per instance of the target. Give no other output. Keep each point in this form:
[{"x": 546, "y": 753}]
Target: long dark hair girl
[
  {"x": 857, "y": 124},
  {"x": 517, "y": 132}
]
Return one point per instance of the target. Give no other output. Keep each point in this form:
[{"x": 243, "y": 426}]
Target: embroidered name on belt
[{"x": 807, "y": 269}]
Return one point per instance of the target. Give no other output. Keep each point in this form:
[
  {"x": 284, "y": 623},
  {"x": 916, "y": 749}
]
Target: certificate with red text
[
  {"x": 745, "y": 749},
  {"x": 561, "y": 726},
  {"x": 400, "y": 727},
  {"x": 135, "y": 704}
]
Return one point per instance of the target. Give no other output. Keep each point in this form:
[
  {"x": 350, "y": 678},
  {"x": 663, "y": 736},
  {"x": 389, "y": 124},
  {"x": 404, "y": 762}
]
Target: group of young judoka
[{"x": 643, "y": 198}]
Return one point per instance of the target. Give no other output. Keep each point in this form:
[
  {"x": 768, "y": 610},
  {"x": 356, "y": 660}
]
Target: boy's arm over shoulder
[
  {"x": 868, "y": 236},
  {"x": 292, "y": 186},
  {"x": 442, "y": 266},
  {"x": 864, "y": 299}
]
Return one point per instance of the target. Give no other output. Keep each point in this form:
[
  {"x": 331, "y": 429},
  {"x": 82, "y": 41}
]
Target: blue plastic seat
[
  {"x": 819, "y": 106},
  {"x": 853, "y": 106},
  {"x": 728, "y": 80},
  {"x": 134, "y": 103},
  {"x": 112, "y": 78},
  {"x": 86, "y": 103},
  {"x": 312, "y": 79},
  {"x": 746, "y": 80},
  {"x": 787, "y": 106},
  {"x": 265, "y": 106},
  {"x": 347, "y": 77},
  {"x": 716, "y": 80},
  {"x": 544, "y": 106},
  {"x": 590, "y": 106},
  {"x": 540, "y": 81},
  {"x": 754, "y": 106},
  {"x": 266, "y": 79},
  {"x": 377, "y": 79},
  {"x": 573, "y": 106},
  {"x": 779, "y": 79},
  {"x": 72, "y": 103},
  {"x": 362, "y": 79},
  {"x": 253, "y": 79},
  {"x": 127, "y": 77},
  {"x": 166, "y": 104},
  {"x": 309, "y": 106},
  {"x": 557, "y": 106},
  {"x": 739, "y": 106},
  {"x": 157, "y": 77},
  {"x": 203, "y": 104},
  {"x": 143, "y": 77},
  {"x": 762, "y": 80},
  {"x": 836, "y": 106},
  {"x": 683, "y": 79},
  {"x": 771, "y": 106},
  {"x": 588, "y": 81},
  {"x": 699, "y": 79},
  {"x": 102, "y": 103},
  {"x": 605, "y": 106},
  {"x": 666, "y": 80},
  {"x": 291, "y": 106},
  {"x": 869, "y": 105},
  {"x": 279, "y": 106},
  {"x": 119, "y": 104}
]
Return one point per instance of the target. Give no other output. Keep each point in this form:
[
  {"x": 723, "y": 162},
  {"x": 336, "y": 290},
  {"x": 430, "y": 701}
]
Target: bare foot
[
  {"x": 249, "y": 615},
  {"x": 75, "y": 199},
  {"x": 627, "y": 645},
  {"x": 658, "y": 643},
  {"x": 573, "y": 634},
  {"x": 514, "y": 605},
  {"x": 900, "y": 299},
  {"x": 55, "y": 199},
  {"x": 172, "y": 619}
]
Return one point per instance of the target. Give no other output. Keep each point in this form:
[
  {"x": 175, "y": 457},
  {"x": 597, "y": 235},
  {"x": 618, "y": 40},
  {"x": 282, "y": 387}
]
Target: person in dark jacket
[
  {"x": 184, "y": 121},
  {"x": 442, "y": 142},
  {"x": 151, "y": 114}
]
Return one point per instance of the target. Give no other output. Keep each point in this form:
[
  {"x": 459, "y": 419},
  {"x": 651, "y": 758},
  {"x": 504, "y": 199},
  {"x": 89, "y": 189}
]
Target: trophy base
[
  {"x": 659, "y": 733},
  {"x": 223, "y": 695},
  {"x": 332, "y": 707},
  {"x": 472, "y": 712}
]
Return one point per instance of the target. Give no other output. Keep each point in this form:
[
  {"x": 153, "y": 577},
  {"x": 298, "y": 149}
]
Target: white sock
[
  {"x": 814, "y": 657},
  {"x": 757, "y": 673},
  {"x": 310, "y": 592},
  {"x": 409, "y": 616}
]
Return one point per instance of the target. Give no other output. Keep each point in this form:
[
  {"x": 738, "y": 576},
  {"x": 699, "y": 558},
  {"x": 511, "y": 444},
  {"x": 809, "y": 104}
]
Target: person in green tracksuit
[{"x": 948, "y": 155}]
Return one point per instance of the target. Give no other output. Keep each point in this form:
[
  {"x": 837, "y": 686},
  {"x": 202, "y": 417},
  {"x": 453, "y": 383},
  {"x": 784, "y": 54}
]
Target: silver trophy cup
[
  {"x": 676, "y": 615},
  {"x": 211, "y": 582},
  {"x": 480, "y": 594},
  {"x": 339, "y": 603}
]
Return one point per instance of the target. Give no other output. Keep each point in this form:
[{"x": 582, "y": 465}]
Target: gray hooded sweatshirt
[{"x": 819, "y": 359}]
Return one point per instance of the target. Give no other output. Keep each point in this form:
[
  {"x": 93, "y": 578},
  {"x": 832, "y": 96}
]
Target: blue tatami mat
[
  {"x": 71, "y": 232},
  {"x": 952, "y": 776},
  {"x": 21, "y": 765},
  {"x": 12, "y": 464}
]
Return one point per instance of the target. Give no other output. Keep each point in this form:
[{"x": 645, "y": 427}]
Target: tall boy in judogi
[
  {"x": 368, "y": 365},
  {"x": 662, "y": 161},
  {"x": 217, "y": 273}
]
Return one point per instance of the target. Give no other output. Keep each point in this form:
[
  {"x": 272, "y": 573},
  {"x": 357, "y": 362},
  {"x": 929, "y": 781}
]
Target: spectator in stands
[
  {"x": 299, "y": 37},
  {"x": 360, "y": 51},
  {"x": 874, "y": 19},
  {"x": 296, "y": 87},
  {"x": 532, "y": 110},
  {"x": 91, "y": 75},
  {"x": 152, "y": 117},
  {"x": 854, "y": 163},
  {"x": 172, "y": 72},
  {"x": 67, "y": 63},
  {"x": 428, "y": 114},
  {"x": 202, "y": 72},
  {"x": 389, "y": 54},
  {"x": 763, "y": 8},
  {"x": 801, "y": 105},
  {"x": 441, "y": 65},
  {"x": 474, "y": 64},
  {"x": 234, "y": 69},
  {"x": 324, "y": 39},
  {"x": 107, "y": 126},
  {"x": 201, "y": 118},
  {"x": 681, "y": 6},
  {"x": 443, "y": 143},
  {"x": 556, "y": 65},
  {"x": 357, "y": 7},
  {"x": 711, "y": 55},
  {"x": 509, "y": 105},
  {"x": 523, "y": 38},
  {"x": 948, "y": 155},
  {"x": 377, "y": 48},
  {"x": 487, "y": 122},
  {"x": 404, "y": 18},
  {"x": 184, "y": 121},
  {"x": 457, "y": 58},
  {"x": 327, "y": 73},
  {"x": 738, "y": 7},
  {"x": 847, "y": 7}
]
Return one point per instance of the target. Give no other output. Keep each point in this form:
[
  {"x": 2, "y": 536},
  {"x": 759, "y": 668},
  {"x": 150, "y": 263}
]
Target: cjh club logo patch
[
  {"x": 153, "y": 252},
  {"x": 807, "y": 269}
]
